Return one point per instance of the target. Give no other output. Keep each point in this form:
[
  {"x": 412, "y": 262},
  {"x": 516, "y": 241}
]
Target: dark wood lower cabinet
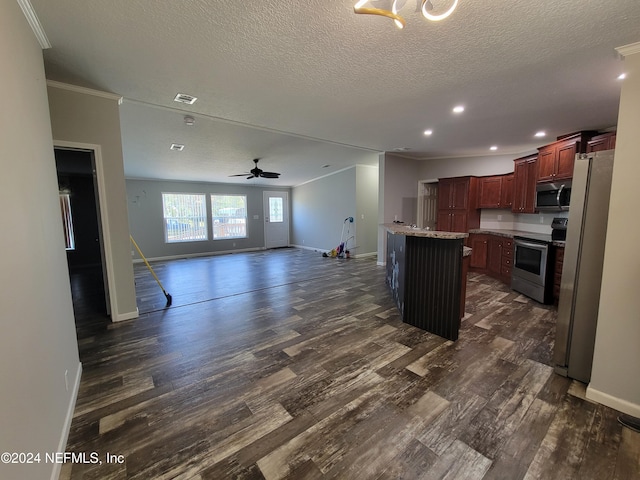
[{"x": 492, "y": 255}]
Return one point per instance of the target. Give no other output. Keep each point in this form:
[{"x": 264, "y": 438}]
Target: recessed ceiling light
[
  {"x": 428, "y": 132},
  {"x": 185, "y": 98},
  {"x": 458, "y": 109},
  {"x": 493, "y": 147},
  {"x": 540, "y": 134},
  {"x": 401, "y": 149},
  {"x": 177, "y": 147},
  {"x": 622, "y": 76},
  {"x": 189, "y": 120}
]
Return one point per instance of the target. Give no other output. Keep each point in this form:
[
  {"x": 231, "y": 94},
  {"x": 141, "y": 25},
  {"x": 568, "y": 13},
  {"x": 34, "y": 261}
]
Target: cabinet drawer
[{"x": 505, "y": 271}]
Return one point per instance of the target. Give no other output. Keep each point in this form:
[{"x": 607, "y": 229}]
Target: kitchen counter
[
  {"x": 403, "y": 229},
  {"x": 541, "y": 237}
]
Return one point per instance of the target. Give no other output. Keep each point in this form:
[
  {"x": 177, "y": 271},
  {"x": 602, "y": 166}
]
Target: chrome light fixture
[{"x": 426, "y": 7}]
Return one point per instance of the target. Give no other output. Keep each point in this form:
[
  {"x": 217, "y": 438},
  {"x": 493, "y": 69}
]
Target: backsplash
[{"x": 497, "y": 219}]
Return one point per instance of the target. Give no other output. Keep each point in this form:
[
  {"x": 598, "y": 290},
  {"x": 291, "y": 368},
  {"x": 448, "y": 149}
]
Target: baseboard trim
[
  {"x": 121, "y": 317},
  {"x": 64, "y": 437},
  {"x": 616, "y": 403},
  {"x": 203, "y": 254},
  {"x": 313, "y": 249}
]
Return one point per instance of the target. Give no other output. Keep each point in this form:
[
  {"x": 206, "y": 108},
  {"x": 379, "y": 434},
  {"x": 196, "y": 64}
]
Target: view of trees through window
[
  {"x": 185, "y": 217},
  {"x": 229, "y": 216}
]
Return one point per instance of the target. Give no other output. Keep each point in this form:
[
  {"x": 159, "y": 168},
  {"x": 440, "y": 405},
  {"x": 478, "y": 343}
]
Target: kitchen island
[{"x": 427, "y": 275}]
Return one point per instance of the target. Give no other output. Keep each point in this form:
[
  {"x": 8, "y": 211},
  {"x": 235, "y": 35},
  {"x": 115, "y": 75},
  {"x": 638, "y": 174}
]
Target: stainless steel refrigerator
[{"x": 582, "y": 268}]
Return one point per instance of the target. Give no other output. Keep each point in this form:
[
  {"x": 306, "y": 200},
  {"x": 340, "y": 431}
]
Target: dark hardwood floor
[{"x": 284, "y": 364}]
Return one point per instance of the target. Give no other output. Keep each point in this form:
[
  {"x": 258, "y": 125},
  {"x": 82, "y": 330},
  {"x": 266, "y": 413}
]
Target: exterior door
[{"x": 276, "y": 219}]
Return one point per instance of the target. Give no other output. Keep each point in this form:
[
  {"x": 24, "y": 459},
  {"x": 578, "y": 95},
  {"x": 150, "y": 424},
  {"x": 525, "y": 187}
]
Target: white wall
[
  {"x": 461, "y": 167},
  {"x": 320, "y": 207},
  {"x": 366, "y": 209},
  {"x": 615, "y": 380},
  {"x": 82, "y": 116},
  {"x": 37, "y": 340}
]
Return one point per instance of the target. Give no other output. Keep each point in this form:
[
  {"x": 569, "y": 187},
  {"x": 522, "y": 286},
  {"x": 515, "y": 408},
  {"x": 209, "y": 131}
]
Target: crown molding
[
  {"x": 630, "y": 49},
  {"x": 34, "y": 23},
  {"x": 84, "y": 90}
]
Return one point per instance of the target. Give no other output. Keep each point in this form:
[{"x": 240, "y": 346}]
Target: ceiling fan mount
[{"x": 256, "y": 172}]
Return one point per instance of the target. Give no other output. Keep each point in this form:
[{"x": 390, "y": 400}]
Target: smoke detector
[
  {"x": 184, "y": 98},
  {"x": 189, "y": 120}
]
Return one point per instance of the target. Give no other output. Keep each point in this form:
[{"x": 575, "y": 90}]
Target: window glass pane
[
  {"x": 229, "y": 216},
  {"x": 185, "y": 217},
  {"x": 67, "y": 221},
  {"x": 275, "y": 210}
]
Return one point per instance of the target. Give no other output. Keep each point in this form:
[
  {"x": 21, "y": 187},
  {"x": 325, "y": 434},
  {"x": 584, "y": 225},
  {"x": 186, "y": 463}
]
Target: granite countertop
[
  {"x": 403, "y": 229},
  {"x": 543, "y": 237}
]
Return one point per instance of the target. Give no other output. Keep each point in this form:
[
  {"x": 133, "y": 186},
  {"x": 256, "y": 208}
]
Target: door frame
[{"x": 103, "y": 218}]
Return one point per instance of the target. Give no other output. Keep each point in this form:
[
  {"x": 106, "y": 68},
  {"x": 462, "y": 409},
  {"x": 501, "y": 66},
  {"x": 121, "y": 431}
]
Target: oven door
[{"x": 530, "y": 261}]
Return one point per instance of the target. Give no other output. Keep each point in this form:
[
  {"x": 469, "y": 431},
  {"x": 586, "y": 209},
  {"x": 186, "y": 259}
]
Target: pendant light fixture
[{"x": 426, "y": 7}]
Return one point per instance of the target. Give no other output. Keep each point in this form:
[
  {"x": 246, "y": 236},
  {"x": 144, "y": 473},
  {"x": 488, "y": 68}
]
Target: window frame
[
  {"x": 198, "y": 217},
  {"x": 216, "y": 222}
]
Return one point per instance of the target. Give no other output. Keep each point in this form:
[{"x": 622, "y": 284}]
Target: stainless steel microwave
[{"x": 554, "y": 197}]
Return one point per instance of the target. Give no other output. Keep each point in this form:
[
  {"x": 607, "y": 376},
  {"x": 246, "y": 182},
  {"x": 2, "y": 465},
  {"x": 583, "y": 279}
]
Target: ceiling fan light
[
  {"x": 359, "y": 8},
  {"x": 436, "y": 18}
]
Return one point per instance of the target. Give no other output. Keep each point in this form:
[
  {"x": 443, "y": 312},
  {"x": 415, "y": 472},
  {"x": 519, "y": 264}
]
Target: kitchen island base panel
[{"x": 433, "y": 285}]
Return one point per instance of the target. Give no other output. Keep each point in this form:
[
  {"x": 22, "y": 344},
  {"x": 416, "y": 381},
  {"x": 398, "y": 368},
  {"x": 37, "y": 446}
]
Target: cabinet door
[
  {"x": 444, "y": 221},
  {"x": 565, "y": 158},
  {"x": 598, "y": 144},
  {"x": 520, "y": 173},
  {"x": 444, "y": 193},
  {"x": 479, "y": 247},
  {"x": 546, "y": 163},
  {"x": 460, "y": 193},
  {"x": 495, "y": 255},
  {"x": 490, "y": 191},
  {"x": 530, "y": 187},
  {"x": 458, "y": 221},
  {"x": 506, "y": 193}
]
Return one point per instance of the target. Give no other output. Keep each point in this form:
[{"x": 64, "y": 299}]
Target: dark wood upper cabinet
[
  {"x": 506, "y": 195},
  {"x": 555, "y": 161},
  {"x": 605, "y": 141},
  {"x": 525, "y": 175},
  {"x": 457, "y": 204},
  {"x": 496, "y": 191}
]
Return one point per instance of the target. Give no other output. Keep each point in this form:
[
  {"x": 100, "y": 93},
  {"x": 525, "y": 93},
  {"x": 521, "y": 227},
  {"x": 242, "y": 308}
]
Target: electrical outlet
[
  {"x": 541, "y": 219},
  {"x": 499, "y": 218}
]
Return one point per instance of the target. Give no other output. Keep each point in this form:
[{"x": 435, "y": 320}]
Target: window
[
  {"x": 229, "y": 216},
  {"x": 185, "y": 217},
  {"x": 67, "y": 221},
  {"x": 275, "y": 210}
]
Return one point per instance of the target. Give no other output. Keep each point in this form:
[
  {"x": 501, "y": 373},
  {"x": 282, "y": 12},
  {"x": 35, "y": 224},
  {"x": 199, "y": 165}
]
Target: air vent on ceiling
[
  {"x": 184, "y": 98},
  {"x": 177, "y": 147}
]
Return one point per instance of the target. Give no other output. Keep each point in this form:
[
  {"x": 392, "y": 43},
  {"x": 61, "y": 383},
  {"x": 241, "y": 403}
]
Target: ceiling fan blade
[
  {"x": 250, "y": 177},
  {"x": 270, "y": 175},
  {"x": 239, "y": 175}
]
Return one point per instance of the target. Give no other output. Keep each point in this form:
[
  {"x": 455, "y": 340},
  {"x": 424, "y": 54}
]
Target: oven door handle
[{"x": 536, "y": 246}]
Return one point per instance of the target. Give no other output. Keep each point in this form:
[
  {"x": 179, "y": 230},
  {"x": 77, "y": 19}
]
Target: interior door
[
  {"x": 428, "y": 205},
  {"x": 276, "y": 219}
]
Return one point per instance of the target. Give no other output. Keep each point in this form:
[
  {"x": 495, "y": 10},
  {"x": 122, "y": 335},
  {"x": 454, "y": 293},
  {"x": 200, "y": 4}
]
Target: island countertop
[{"x": 403, "y": 229}]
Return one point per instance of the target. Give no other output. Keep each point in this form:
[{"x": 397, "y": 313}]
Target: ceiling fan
[{"x": 256, "y": 172}]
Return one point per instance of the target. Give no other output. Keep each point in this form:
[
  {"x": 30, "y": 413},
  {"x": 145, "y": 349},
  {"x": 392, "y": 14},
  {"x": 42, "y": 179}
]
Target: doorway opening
[
  {"x": 80, "y": 210},
  {"x": 428, "y": 204}
]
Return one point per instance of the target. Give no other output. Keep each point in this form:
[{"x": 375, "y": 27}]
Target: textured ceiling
[{"x": 304, "y": 84}]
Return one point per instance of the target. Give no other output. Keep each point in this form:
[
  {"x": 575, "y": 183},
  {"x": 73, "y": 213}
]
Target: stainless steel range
[{"x": 532, "y": 272}]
